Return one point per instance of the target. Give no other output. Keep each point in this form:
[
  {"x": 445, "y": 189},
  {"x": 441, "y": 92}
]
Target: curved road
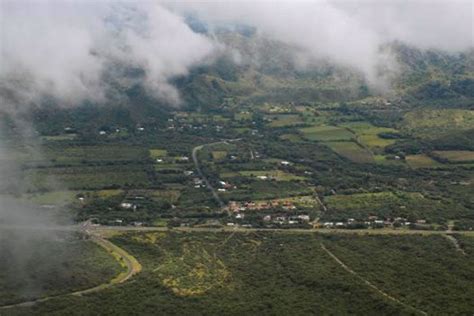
[
  {"x": 124, "y": 258},
  {"x": 201, "y": 174}
]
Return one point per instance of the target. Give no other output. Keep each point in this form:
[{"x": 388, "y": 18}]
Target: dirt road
[
  {"x": 125, "y": 260},
  {"x": 368, "y": 283}
]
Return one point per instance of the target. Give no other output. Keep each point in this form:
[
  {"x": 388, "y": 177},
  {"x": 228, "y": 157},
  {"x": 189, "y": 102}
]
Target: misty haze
[{"x": 235, "y": 157}]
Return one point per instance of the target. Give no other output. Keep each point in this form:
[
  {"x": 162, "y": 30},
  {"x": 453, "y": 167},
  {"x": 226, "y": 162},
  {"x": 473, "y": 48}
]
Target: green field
[
  {"x": 170, "y": 196},
  {"x": 265, "y": 190},
  {"x": 63, "y": 137},
  {"x": 85, "y": 178},
  {"x": 456, "y": 155},
  {"x": 433, "y": 123},
  {"x": 291, "y": 137},
  {"x": 369, "y": 134},
  {"x": 219, "y": 155},
  {"x": 59, "y": 198},
  {"x": 384, "y": 160},
  {"x": 158, "y": 153},
  {"x": 284, "y": 120},
  {"x": 326, "y": 133},
  {"x": 351, "y": 151},
  {"x": 277, "y": 175},
  {"x": 409, "y": 205},
  {"x": 422, "y": 161},
  {"x": 91, "y": 153}
]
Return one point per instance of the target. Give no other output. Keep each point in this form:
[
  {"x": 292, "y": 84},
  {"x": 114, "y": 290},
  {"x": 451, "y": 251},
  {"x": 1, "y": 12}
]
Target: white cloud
[
  {"x": 348, "y": 32},
  {"x": 60, "y": 48}
]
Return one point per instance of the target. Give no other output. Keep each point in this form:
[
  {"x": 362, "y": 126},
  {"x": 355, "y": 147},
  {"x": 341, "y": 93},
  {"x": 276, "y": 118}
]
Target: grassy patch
[
  {"x": 58, "y": 198},
  {"x": 326, "y": 133},
  {"x": 62, "y": 137},
  {"x": 351, "y": 151},
  {"x": 158, "y": 153},
  {"x": 92, "y": 153},
  {"x": 422, "y": 161},
  {"x": 277, "y": 175},
  {"x": 85, "y": 178},
  {"x": 384, "y": 160},
  {"x": 170, "y": 196},
  {"x": 291, "y": 137},
  {"x": 284, "y": 120},
  {"x": 219, "y": 155},
  {"x": 456, "y": 155},
  {"x": 191, "y": 271},
  {"x": 409, "y": 205},
  {"x": 369, "y": 134},
  {"x": 433, "y": 123}
]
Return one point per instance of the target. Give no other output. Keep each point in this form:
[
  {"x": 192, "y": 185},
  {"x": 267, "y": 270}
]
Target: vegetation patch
[
  {"x": 370, "y": 135},
  {"x": 326, "y": 133},
  {"x": 158, "y": 153},
  {"x": 455, "y": 155},
  {"x": 44, "y": 264},
  {"x": 219, "y": 155},
  {"x": 351, "y": 151},
  {"x": 417, "y": 270},
  {"x": 93, "y": 153},
  {"x": 291, "y": 137},
  {"x": 85, "y": 178},
  {"x": 283, "y": 120},
  {"x": 58, "y": 198},
  {"x": 409, "y": 205},
  {"x": 422, "y": 161},
  {"x": 433, "y": 123},
  {"x": 192, "y": 271},
  {"x": 277, "y": 175}
]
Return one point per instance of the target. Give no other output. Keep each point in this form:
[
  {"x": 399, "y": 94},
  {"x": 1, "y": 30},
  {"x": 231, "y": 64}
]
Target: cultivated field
[
  {"x": 351, "y": 151},
  {"x": 456, "y": 156},
  {"x": 326, "y": 133}
]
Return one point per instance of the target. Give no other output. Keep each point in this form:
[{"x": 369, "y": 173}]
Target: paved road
[
  {"x": 201, "y": 174},
  {"x": 386, "y": 231},
  {"x": 99, "y": 229}
]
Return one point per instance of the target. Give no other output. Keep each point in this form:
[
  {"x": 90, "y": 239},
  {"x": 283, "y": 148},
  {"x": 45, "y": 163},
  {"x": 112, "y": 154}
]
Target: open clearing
[
  {"x": 158, "y": 153},
  {"x": 433, "y": 123},
  {"x": 277, "y": 175},
  {"x": 422, "y": 161},
  {"x": 369, "y": 134},
  {"x": 326, "y": 133},
  {"x": 351, "y": 151},
  {"x": 390, "y": 205},
  {"x": 282, "y": 120},
  {"x": 456, "y": 155}
]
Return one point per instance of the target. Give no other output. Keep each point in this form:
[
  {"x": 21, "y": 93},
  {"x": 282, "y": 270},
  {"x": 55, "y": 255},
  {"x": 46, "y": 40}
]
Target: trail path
[
  {"x": 368, "y": 283},
  {"x": 455, "y": 243}
]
